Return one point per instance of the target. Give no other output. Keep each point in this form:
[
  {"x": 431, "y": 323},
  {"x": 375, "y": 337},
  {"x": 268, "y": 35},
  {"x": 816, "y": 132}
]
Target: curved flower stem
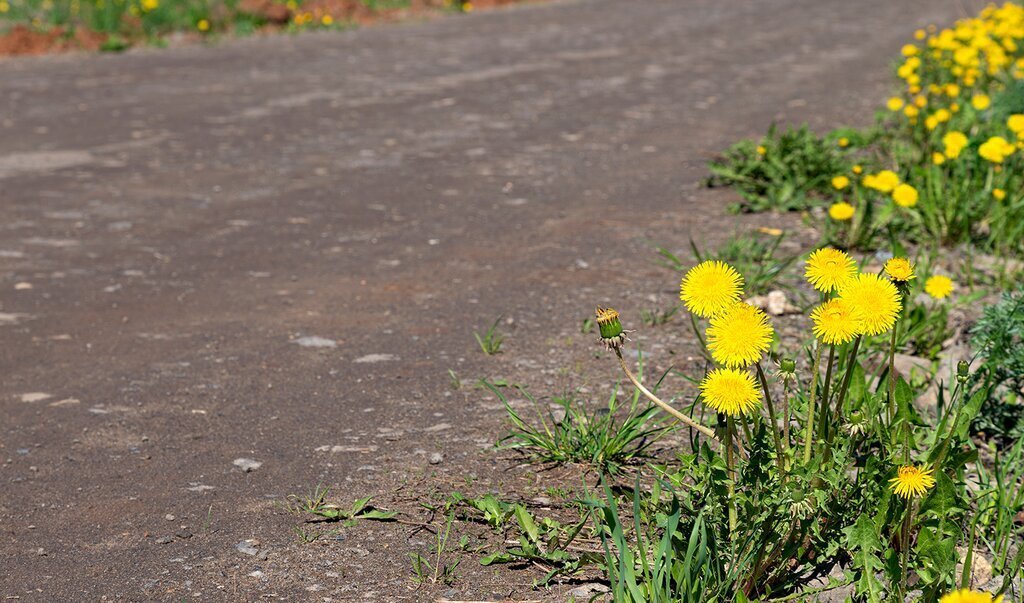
[
  {"x": 774, "y": 423},
  {"x": 664, "y": 406},
  {"x": 809, "y": 426}
]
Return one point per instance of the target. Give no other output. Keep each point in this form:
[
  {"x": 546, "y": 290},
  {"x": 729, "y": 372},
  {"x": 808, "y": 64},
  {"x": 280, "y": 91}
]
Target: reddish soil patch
[{"x": 23, "y": 41}]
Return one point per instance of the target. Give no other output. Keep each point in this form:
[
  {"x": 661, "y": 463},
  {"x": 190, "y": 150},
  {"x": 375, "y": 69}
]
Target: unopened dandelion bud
[
  {"x": 962, "y": 371},
  {"x": 787, "y": 365},
  {"x": 612, "y": 333}
]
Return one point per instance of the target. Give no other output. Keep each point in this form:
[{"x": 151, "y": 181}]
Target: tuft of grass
[
  {"x": 794, "y": 169},
  {"x": 490, "y": 342},
  {"x": 316, "y": 503},
  {"x": 605, "y": 438},
  {"x": 436, "y": 567}
]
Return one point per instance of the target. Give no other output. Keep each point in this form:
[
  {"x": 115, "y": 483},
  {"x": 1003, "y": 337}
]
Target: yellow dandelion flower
[
  {"x": 939, "y": 286},
  {"x": 911, "y": 482},
  {"x": 905, "y": 195},
  {"x": 710, "y": 287},
  {"x": 150, "y": 5},
  {"x": 911, "y": 111},
  {"x": 739, "y": 336},
  {"x": 327, "y": 20},
  {"x": 900, "y": 269},
  {"x": 954, "y": 143},
  {"x": 980, "y": 102},
  {"x": 999, "y": 194},
  {"x": 844, "y": 142},
  {"x": 883, "y": 182},
  {"x": 203, "y": 25},
  {"x": 909, "y": 50},
  {"x": 1016, "y": 123},
  {"x": 841, "y": 211},
  {"x": 996, "y": 149},
  {"x": 829, "y": 269},
  {"x": 894, "y": 104},
  {"x": 761, "y": 150},
  {"x": 834, "y": 322},
  {"x": 857, "y": 169},
  {"x": 840, "y": 182},
  {"x": 730, "y": 391},
  {"x": 938, "y": 158},
  {"x": 874, "y": 300},
  {"x": 969, "y": 596}
]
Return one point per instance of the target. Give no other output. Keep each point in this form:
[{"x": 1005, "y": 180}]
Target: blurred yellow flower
[
  {"x": 203, "y": 25},
  {"x": 909, "y": 50},
  {"x": 1016, "y": 123},
  {"x": 911, "y": 111},
  {"x": 999, "y": 194},
  {"x": 938, "y": 158},
  {"x": 905, "y": 195},
  {"x": 996, "y": 149},
  {"x": 980, "y": 101},
  {"x": 883, "y": 182},
  {"x": 150, "y": 5},
  {"x": 327, "y": 20},
  {"x": 761, "y": 150},
  {"x": 969, "y": 596},
  {"x": 841, "y": 211},
  {"x": 857, "y": 169},
  {"x": 939, "y": 286},
  {"x": 844, "y": 142},
  {"x": 894, "y": 104},
  {"x": 954, "y": 143},
  {"x": 840, "y": 182}
]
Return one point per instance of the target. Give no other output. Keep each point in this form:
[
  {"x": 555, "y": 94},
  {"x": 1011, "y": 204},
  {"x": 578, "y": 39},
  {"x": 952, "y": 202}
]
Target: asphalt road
[{"x": 267, "y": 246}]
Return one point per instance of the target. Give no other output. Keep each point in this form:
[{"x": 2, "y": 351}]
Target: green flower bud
[
  {"x": 962, "y": 371},
  {"x": 612, "y": 333}
]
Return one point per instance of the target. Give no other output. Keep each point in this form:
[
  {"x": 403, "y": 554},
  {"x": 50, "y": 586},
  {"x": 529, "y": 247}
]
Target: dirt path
[{"x": 182, "y": 228}]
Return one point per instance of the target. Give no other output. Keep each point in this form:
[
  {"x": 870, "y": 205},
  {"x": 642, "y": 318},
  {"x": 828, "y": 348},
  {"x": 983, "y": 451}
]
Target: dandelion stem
[
  {"x": 905, "y": 549},
  {"x": 775, "y": 424},
  {"x": 809, "y": 428},
  {"x": 700, "y": 338},
  {"x": 731, "y": 463},
  {"x": 785, "y": 415},
  {"x": 851, "y": 362},
  {"x": 823, "y": 427},
  {"x": 665, "y": 406}
]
